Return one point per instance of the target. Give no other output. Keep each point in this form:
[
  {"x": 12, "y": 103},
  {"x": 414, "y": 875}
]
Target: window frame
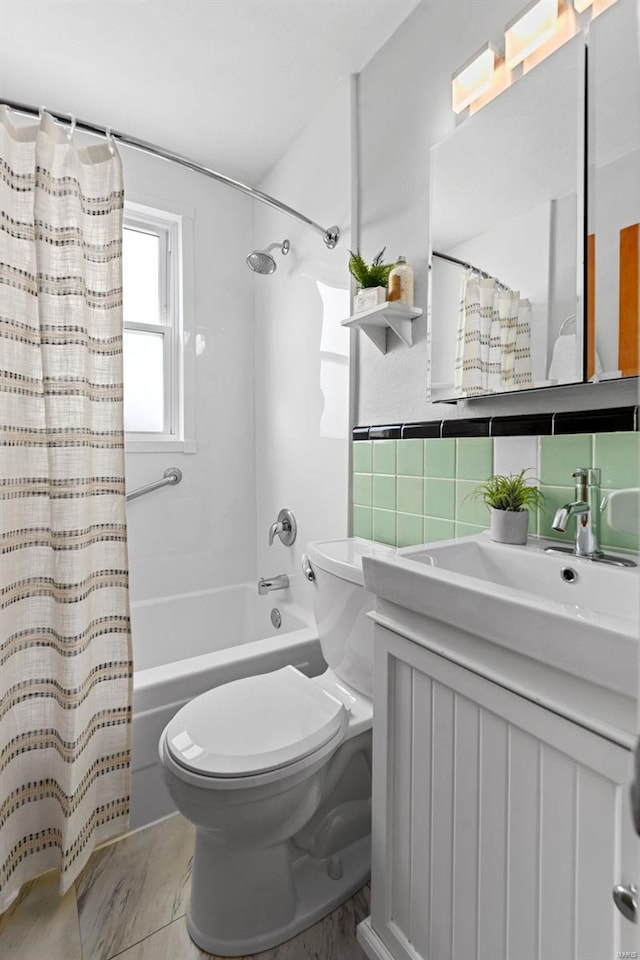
[{"x": 175, "y": 298}]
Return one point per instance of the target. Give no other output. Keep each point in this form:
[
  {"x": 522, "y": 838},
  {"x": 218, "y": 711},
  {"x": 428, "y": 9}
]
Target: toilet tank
[{"x": 340, "y": 605}]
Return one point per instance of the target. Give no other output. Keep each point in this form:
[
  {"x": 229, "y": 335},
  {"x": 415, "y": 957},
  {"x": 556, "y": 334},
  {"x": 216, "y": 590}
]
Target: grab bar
[{"x": 172, "y": 476}]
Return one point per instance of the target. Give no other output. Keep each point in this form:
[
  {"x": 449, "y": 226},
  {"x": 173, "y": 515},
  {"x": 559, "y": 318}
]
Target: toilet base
[{"x": 316, "y": 895}]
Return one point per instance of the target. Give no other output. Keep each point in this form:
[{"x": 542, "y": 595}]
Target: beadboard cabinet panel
[
  {"x": 524, "y": 769},
  {"x": 420, "y": 788},
  {"x": 499, "y": 827}
]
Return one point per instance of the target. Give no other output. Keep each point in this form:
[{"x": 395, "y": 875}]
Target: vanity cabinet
[{"x": 500, "y": 826}]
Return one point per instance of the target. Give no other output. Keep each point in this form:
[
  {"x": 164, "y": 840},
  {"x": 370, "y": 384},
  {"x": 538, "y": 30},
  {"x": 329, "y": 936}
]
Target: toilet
[{"x": 274, "y": 771}]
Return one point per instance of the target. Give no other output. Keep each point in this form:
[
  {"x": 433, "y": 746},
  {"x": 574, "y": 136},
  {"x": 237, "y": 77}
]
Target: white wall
[
  {"x": 201, "y": 533},
  {"x": 404, "y": 108},
  {"x": 301, "y": 353}
]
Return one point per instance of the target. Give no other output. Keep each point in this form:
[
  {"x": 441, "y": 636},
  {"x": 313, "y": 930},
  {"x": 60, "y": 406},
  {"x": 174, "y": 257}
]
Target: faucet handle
[
  {"x": 589, "y": 475},
  {"x": 285, "y": 527}
]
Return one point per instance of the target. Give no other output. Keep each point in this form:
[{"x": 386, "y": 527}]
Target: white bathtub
[{"x": 189, "y": 643}]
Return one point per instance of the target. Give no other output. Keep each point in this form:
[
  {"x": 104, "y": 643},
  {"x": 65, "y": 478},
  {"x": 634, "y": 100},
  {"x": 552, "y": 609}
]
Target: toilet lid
[{"x": 254, "y": 725}]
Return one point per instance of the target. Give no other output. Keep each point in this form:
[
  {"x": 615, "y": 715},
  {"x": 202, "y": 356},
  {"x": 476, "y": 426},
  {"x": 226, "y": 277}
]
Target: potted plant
[
  {"x": 509, "y": 500},
  {"x": 371, "y": 279}
]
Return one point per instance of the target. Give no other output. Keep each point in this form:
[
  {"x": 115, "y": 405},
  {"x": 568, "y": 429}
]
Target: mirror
[
  {"x": 507, "y": 222},
  {"x": 613, "y": 247}
]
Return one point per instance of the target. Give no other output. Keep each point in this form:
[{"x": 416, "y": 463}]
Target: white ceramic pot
[
  {"x": 369, "y": 297},
  {"x": 509, "y": 526}
]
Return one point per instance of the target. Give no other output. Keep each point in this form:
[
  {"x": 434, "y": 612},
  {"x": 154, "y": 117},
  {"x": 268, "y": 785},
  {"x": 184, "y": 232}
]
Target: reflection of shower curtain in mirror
[{"x": 493, "y": 342}]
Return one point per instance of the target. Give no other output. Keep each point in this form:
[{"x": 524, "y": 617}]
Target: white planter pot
[
  {"x": 509, "y": 526},
  {"x": 369, "y": 297}
]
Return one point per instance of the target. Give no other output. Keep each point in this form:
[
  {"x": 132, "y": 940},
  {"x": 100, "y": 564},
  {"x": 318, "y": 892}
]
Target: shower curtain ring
[
  {"x": 41, "y": 111},
  {"x": 72, "y": 127},
  {"x": 109, "y": 136}
]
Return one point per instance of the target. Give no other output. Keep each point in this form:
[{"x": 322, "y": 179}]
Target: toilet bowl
[{"x": 274, "y": 771}]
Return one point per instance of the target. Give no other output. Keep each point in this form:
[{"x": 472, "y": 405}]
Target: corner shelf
[{"x": 377, "y": 320}]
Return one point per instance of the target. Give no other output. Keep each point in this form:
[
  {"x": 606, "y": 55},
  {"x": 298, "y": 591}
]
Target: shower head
[{"x": 261, "y": 261}]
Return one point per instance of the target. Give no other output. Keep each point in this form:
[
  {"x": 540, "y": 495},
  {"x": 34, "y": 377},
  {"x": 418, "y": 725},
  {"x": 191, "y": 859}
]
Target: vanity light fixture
[
  {"x": 474, "y": 77},
  {"x": 598, "y": 6},
  {"x": 530, "y": 29}
]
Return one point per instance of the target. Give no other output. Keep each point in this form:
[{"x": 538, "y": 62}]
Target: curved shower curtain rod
[{"x": 330, "y": 236}]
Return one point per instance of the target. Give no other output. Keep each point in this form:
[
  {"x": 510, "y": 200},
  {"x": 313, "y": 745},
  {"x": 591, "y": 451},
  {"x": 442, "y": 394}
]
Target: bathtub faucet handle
[
  {"x": 285, "y": 527},
  {"x": 275, "y": 528}
]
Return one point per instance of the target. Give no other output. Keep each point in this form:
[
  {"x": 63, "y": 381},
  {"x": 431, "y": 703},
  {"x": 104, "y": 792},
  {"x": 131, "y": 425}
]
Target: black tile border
[
  {"x": 479, "y": 427},
  {"x": 386, "y": 433},
  {"x": 421, "y": 431},
  {"x": 607, "y": 420},
  {"x": 596, "y": 421},
  {"x": 532, "y": 424}
]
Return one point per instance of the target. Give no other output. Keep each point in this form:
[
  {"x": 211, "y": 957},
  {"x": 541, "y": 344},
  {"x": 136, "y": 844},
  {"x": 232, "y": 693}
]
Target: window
[{"x": 153, "y": 328}]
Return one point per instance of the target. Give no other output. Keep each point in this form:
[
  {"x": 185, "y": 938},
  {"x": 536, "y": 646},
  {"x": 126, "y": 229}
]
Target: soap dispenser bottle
[{"x": 401, "y": 283}]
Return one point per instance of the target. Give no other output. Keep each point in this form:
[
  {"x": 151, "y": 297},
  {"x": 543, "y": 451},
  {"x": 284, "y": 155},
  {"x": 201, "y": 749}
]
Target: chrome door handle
[
  {"x": 626, "y": 900},
  {"x": 307, "y": 569}
]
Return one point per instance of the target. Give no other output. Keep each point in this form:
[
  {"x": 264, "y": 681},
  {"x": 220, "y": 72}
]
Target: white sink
[
  {"x": 582, "y": 585},
  {"x": 571, "y": 613}
]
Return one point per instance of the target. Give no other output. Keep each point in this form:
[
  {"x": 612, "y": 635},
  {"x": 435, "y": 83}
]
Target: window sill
[{"x": 160, "y": 446}]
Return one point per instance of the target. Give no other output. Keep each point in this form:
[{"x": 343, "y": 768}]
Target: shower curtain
[
  {"x": 493, "y": 339},
  {"x": 65, "y": 662}
]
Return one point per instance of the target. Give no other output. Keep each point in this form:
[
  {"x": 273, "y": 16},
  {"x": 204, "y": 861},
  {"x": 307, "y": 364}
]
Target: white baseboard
[{"x": 371, "y": 943}]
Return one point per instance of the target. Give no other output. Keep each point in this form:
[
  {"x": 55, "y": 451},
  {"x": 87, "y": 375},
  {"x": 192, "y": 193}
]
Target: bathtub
[{"x": 186, "y": 644}]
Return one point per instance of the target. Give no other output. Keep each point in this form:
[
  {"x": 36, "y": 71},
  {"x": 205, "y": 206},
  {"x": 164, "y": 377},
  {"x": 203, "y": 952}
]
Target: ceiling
[{"x": 229, "y": 83}]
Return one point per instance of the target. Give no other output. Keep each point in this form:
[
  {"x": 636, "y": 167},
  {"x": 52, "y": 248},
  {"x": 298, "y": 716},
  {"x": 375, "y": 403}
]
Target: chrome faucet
[
  {"x": 267, "y": 584},
  {"x": 586, "y": 509}
]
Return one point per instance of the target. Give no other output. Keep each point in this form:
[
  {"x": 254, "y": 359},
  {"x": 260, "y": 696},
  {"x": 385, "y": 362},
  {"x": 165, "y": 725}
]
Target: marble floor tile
[
  {"x": 40, "y": 924},
  {"x": 333, "y": 938},
  {"x": 132, "y": 888}
]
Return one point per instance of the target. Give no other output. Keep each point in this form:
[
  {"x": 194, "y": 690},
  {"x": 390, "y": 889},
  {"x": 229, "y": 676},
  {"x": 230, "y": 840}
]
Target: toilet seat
[{"x": 254, "y": 725}]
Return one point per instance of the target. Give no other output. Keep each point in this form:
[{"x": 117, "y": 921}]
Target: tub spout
[{"x": 267, "y": 584}]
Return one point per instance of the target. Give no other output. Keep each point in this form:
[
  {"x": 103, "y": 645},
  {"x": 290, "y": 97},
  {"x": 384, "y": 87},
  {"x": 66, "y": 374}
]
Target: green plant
[
  {"x": 511, "y": 493},
  {"x": 374, "y": 275}
]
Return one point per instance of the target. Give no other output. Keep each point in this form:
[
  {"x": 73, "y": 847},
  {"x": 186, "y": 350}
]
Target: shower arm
[{"x": 330, "y": 236}]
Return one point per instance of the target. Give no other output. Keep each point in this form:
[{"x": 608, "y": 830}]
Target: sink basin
[
  {"x": 567, "y": 612},
  {"x": 581, "y": 584}
]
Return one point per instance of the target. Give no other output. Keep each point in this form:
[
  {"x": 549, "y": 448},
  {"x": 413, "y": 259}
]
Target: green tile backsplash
[
  {"x": 468, "y": 509},
  {"x": 384, "y": 492},
  {"x": 363, "y": 522},
  {"x": 416, "y": 491},
  {"x": 363, "y": 489},
  {"x": 384, "y": 526},
  {"x": 440, "y": 458},
  {"x": 384, "y": 456},
  {"x": 435, "y": 529},
  {"x": 440, "y": 498},
  {"x": 559, "y": 457},
  {"x": 410, "y": 530},
  {"x": 363, "y": 456},
  {"x": 618, "y": 456},
  {"x": 474, "y": 458},
  {"x": 411, "y": 458},
  {"x": 410, "y": 495}
]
